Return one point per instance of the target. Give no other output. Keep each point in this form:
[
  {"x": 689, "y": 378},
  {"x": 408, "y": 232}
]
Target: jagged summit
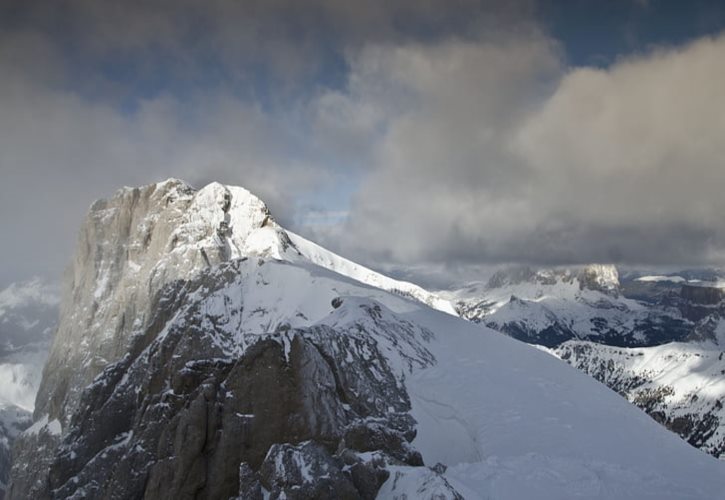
[{"x": 143, "y": 238}]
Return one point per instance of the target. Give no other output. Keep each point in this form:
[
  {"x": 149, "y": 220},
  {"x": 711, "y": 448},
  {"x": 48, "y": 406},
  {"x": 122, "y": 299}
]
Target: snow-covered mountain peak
[
  {"x": 232, "y": 222},
  {"x": 142, "y": 239}
]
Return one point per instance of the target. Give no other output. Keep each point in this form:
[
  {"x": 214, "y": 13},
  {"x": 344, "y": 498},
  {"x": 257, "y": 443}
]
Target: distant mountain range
[{"x": 656, "y": 339}]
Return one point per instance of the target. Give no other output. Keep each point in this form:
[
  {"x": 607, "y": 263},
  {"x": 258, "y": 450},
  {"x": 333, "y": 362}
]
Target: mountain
[
  {"x": 656, "y": 339},
  {"x": 205, "y": 352},
  {"x": 548, "y": 307},
  {"x": 28, "y": 314}
]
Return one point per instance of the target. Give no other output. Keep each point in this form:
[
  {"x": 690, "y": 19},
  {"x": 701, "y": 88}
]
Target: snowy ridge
[
  {"x": 324, "y": 258},
  {"x": 246, "y": 228},
  {"x": 588, "y": 322}
]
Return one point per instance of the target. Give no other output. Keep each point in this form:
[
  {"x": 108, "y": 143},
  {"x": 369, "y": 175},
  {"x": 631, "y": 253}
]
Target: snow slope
[
  {"x": 511, "y": 424},
  {"x": 324, "y": 258}
]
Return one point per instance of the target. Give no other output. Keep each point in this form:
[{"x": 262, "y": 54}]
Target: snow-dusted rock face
[
  {"x": 205, "y": 355},
  {"x": 130, "y": 247},
  {"x": 682, "y": 386},
  {"x": 600, "y": 277},
  {"x": 143, "y": 239}
]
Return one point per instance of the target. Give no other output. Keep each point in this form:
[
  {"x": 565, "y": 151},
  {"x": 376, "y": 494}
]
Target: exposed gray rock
[
  {"x": 129, "y": 247},
  {"x": 372, "y": 435},
  {"x": 701, "y": 294}
]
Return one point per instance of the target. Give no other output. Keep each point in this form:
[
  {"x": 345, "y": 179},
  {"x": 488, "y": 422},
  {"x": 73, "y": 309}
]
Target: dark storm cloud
[{"x": 250, "y": 43}]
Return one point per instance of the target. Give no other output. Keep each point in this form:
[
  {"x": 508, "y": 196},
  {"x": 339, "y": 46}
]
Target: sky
[{"x": 418, "y": 136}]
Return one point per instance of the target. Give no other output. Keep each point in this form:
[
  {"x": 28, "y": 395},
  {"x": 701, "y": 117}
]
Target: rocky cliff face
[
  {"x": 702, "y": 295},
  {"x": 193, "y": 399},
  {"x": 130, "y": 247},
  {"x": 698, "y": 302}
]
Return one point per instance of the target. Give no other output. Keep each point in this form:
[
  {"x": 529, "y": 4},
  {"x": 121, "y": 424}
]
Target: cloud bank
[
  {"x": 501, "y": 154},
  {"x": 412, "y": 134}
]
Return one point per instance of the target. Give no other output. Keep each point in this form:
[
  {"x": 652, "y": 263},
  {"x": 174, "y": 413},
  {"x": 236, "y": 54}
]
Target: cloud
[
  {"x": 249, "y": 43},
  {"x": 459, "y": 133},
  {"x": 59, "y": 151},
  {"x": 97, "y": 94},
  {"x": 500, "y": 154}
]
